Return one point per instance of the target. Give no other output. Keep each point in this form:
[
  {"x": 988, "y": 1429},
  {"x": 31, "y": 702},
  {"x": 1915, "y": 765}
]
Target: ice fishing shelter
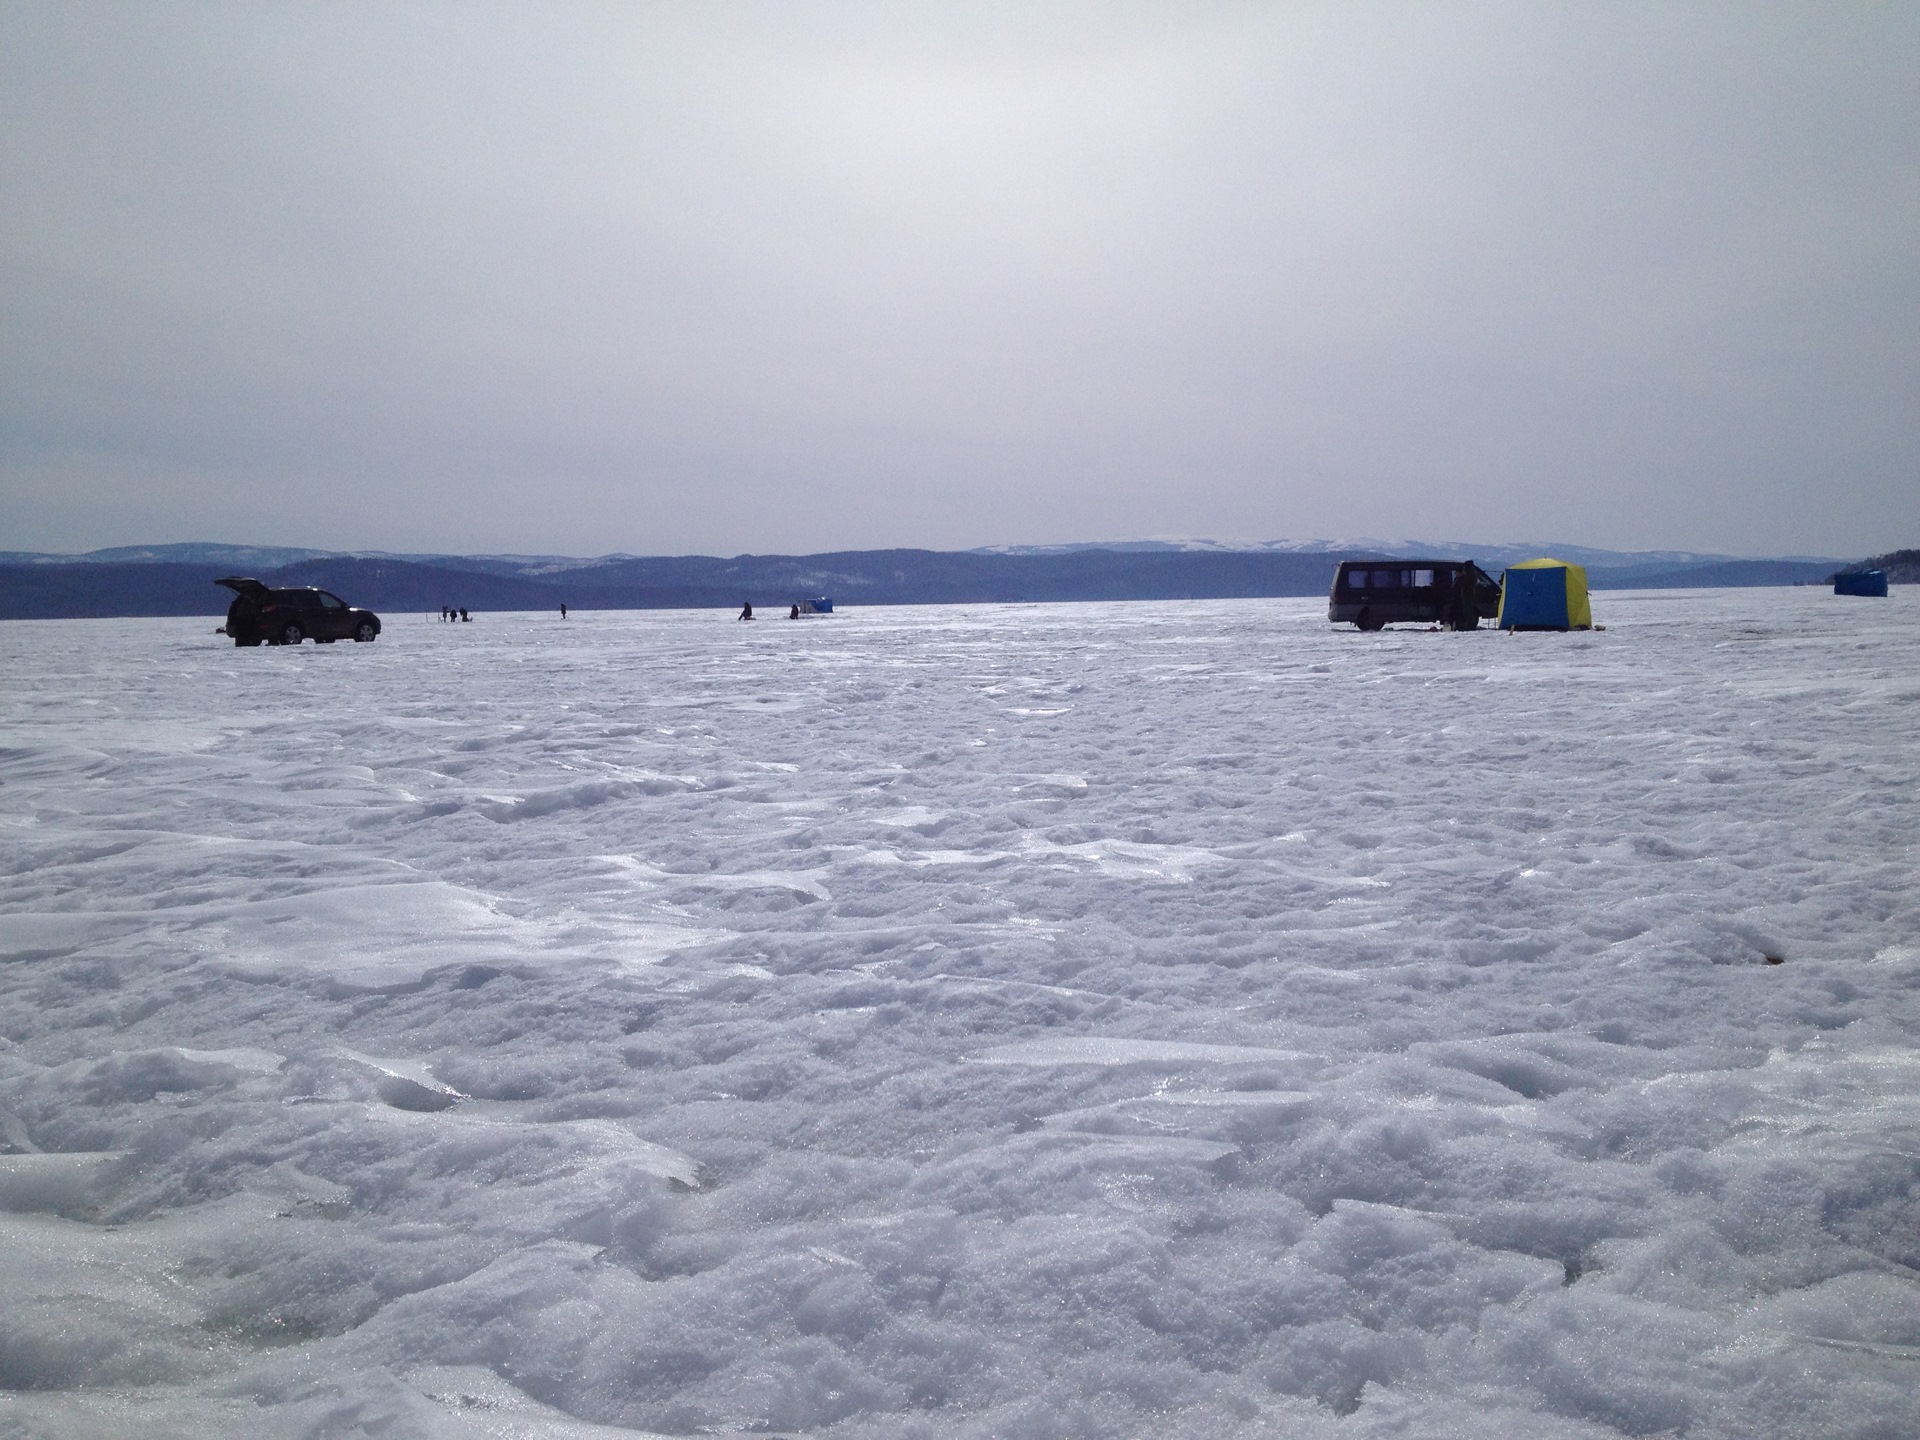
[
  {"x": 1544, "y": 595},
  {"x": 1861, "y": 582}
]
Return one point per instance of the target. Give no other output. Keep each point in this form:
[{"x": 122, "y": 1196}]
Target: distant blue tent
[
  {"x": 819, "y": 605},
  {"x": 1862, "y": 582},
  {"x": 1544, "y": 595}
]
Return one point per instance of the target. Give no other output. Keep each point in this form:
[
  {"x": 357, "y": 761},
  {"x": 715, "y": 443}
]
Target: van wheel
[
  {"x": 1365, "y": 621},
  {"x": 291, "y": 634},
  {"x": 366, "y": 631}
]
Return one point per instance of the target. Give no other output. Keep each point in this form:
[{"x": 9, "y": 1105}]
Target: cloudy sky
[{"x": 786, "y": 277}]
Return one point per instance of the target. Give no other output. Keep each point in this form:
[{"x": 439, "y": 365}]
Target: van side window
[
  {"x": 1422, "y": 579},
  {"x": 1357, "y": 579}
]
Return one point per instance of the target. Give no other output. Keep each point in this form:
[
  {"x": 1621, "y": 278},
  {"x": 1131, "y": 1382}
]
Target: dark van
[{"x": 1371, "y": 593}]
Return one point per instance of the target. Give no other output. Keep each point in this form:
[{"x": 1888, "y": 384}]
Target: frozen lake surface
[{"x": 1132, "y": 1020}]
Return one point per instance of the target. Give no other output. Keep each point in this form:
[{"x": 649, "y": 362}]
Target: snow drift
[{"x": 1171, "y": 1019}]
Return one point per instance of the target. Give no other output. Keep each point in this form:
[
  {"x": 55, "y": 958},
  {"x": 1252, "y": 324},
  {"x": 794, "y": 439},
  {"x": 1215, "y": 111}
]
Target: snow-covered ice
[{"x": 1171, "y": 1019}]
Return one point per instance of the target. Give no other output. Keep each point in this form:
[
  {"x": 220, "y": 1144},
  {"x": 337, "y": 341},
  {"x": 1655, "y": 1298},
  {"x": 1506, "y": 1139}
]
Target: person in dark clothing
[
  {"x": 794, "y": 614},
  {"x": 746, "y": 611},
  {"x": 1466, "y": 609},
  {"x": 563, "y": 609},
  {"x": 463, "y": 613}
]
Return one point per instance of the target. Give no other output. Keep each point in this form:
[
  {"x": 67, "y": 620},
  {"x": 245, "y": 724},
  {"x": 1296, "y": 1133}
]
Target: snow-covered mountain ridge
[
  {"x": 179, "y": 580},
  {"x": 1501, "y": 553}
]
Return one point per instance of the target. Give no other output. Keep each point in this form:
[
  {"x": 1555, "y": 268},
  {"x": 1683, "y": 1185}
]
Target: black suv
[
  {"x": 1373, "y": 593},
  {"x": 286, "y": 617}
]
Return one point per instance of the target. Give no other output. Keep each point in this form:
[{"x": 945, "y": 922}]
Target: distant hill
[
  {"x": 89, "y": 590},
  {"x": 233, "y": 557},
  {"x": 871, "y": 577},
  {"x": 178, "y": 579},
  {"x": 1489, "y": 556},
  {"x": 1715, "y": 574},
  {"x": 1902, "y": 566}
]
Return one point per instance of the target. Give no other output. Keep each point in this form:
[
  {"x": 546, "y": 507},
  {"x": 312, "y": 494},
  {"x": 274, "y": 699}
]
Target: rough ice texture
[{"x": 1158, "y": 1020}]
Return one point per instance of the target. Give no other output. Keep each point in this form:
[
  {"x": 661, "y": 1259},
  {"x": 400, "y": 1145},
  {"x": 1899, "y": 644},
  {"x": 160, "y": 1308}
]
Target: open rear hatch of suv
[{"x": 243, "y": 615}]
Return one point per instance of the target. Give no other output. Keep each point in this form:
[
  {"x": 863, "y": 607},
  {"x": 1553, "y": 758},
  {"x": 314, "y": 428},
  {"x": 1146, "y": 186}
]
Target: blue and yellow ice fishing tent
[{"x": 1544, "y": 595}]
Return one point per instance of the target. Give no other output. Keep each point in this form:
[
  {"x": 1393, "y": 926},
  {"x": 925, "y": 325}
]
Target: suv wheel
[
  {"x": 291, "y": 634},
  {"x": 365, "y": 631}
]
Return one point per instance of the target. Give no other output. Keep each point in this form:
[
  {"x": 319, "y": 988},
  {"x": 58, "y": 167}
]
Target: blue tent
[
  {"x": 1861, "y": 582},
  {"x": 1544, "y": 595}
]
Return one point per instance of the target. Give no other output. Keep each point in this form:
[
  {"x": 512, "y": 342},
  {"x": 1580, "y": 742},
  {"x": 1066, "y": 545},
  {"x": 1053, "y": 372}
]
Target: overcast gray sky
[{"x": 786, "y": 277}]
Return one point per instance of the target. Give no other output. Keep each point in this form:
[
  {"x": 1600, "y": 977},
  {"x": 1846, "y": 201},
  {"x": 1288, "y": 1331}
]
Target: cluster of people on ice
[{"x": 746, "y": 610}]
